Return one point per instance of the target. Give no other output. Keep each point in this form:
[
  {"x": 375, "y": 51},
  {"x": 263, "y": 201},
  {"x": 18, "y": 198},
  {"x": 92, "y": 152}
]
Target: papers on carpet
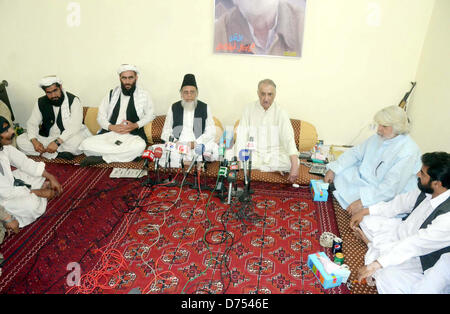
[{"x": 127, "y": 173}]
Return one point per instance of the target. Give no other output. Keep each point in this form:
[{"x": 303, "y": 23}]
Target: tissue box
[
  {"x": 319, "y": 193},
  {"x": 327, "y": 280}
]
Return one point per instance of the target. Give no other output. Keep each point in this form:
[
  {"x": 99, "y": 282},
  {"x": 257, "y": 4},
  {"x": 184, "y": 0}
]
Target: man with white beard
[
  {"x": 378, "y": 169},
  {"x": 189, "y": 122},
  {"x": 269, "y": 27}
]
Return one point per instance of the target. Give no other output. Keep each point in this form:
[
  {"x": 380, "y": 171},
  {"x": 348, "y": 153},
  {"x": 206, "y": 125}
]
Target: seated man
[
  {"x": 23, "y": 192},
  {"x": 401, "y": 251},
  {"x": 272, "y": 131},
  {"x": 122, "y": 115},
  {"x": 55, "y": 127},
  {"x": 189, "y": 121},
  {"x": 378, "y": 169}
]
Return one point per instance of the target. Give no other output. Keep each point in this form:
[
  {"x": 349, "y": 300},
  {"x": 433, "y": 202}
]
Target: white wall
[
  {"x": 430, "y": 105},
  {"x": 358, "y": 56}
]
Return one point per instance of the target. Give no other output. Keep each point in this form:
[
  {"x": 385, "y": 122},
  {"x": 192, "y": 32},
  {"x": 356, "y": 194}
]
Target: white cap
[
  {"x": 49, "y": 81},
  {"x": 127, "y": 67}
]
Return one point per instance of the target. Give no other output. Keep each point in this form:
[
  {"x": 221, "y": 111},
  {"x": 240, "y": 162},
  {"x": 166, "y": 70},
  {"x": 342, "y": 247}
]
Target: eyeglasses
[{"x": 189, "y": 92}]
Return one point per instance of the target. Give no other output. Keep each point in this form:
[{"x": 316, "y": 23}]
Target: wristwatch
[{"x": 57, "y": 143}]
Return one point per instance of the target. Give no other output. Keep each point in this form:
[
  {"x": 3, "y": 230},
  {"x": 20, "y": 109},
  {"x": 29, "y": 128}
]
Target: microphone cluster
[{"x": 228, "y": 170}]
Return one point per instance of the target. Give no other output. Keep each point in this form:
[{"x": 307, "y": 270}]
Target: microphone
[
  {"x": 251, "y": 146},
  {"x": 223, "y": 172},
  {"x": 198, "y": 152},
  {"x": 148, "y": 156},
  {"x": 244, "y": 156},
  {"x": 232, "y": 173},
  {"x": 170, "y": 147},
  {"x": 157, "y": 155},
  {"x": 182, "y": 151}
]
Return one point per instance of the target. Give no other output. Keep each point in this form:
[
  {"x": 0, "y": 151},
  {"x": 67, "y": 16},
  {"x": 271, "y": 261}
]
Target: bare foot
[{"x": 359, "y": 234}]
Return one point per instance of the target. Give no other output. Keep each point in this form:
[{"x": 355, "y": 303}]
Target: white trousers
[
  {"x": 114, "y": 147},
  {"x": 26, "y": 209},
  {"x": 71, "y": 145}
]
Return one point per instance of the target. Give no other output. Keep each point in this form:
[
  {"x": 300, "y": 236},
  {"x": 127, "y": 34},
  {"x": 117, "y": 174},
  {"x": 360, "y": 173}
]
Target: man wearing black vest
[
  {"x": 55, "y": 127},
  {"x": 190, "y": 122},
  {"x": 402, "y": 250},
  {"x": 122, "y": 115}
]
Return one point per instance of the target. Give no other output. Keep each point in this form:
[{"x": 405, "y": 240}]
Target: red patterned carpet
[{"x": 128, "y": 237}]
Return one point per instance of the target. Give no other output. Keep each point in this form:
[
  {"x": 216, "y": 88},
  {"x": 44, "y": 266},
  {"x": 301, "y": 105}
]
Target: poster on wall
[{"x": 259, "y": 27}]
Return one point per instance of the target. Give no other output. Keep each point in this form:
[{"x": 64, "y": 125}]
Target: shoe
[
  {"x": 65, "y": 155},
  {"x": 91, "y": 161}
]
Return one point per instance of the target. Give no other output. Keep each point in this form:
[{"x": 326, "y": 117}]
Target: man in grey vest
[
  {"x": 55, "y": 127},
  {"x": 402, "y": 250},
  {"x": 189, "y": 122}
]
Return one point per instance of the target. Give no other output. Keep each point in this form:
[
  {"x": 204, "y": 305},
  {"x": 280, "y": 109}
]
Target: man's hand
[
  {"x": 12, "y": 226},
  {"x": 118, "y": 128},
  {"x": 130, "y": 126},
  {"x": 329, "y": 176},
  {"x": 38, "y": 146},
  {"x": 52, "y": 147},
  {"x": 54, "y": 184},
  {"x": 355, "y": 207},
  {"x": 295, "y": 169},
  {"x": 45, "y": 193},
  {"x": 358, "y": 217},
  {"x": 368, "y": 270}
]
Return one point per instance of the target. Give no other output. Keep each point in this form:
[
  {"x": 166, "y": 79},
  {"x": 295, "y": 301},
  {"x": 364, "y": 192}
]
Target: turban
[
  {"x": 127, "y": 67},
  {"x": 49, "y": 81}
]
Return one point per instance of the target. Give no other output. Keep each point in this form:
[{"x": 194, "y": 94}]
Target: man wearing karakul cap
[
  {"x": 189, "y": 121},
  {"x": 122, "y": 115},
  {"x": 55, "y": 127}
]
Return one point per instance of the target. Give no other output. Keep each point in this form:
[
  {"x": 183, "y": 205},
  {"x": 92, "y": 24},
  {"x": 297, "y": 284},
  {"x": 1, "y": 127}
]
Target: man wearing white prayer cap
[
  {"x": 55, "y": 127},
  {"x": 122, "y": 115}
]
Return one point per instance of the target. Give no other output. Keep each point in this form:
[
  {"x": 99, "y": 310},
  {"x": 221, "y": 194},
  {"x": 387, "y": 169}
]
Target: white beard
[
  {"x": 188, "y": 104},
  {"x": 257, "y": 8}
]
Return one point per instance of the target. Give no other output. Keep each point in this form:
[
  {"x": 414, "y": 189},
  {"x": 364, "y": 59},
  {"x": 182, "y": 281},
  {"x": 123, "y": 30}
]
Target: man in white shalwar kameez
[
  {"x": 271, "y": 129},
  {"x": 23, "y": 192},
  {"x": 190, "y": 123},
  {"x": 403, "y": 253},
  {"x": 122, "y": 115},
  {"x": 378, "y": 169},
  {"x": 55, "y": 127}
]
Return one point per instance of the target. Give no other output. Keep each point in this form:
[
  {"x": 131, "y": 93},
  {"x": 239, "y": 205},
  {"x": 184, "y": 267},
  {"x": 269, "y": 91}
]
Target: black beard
[
  {"x": 128, "y": 92},
  {"x": 425, "y": 188},
  {"x": 58, "y": 102}
]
